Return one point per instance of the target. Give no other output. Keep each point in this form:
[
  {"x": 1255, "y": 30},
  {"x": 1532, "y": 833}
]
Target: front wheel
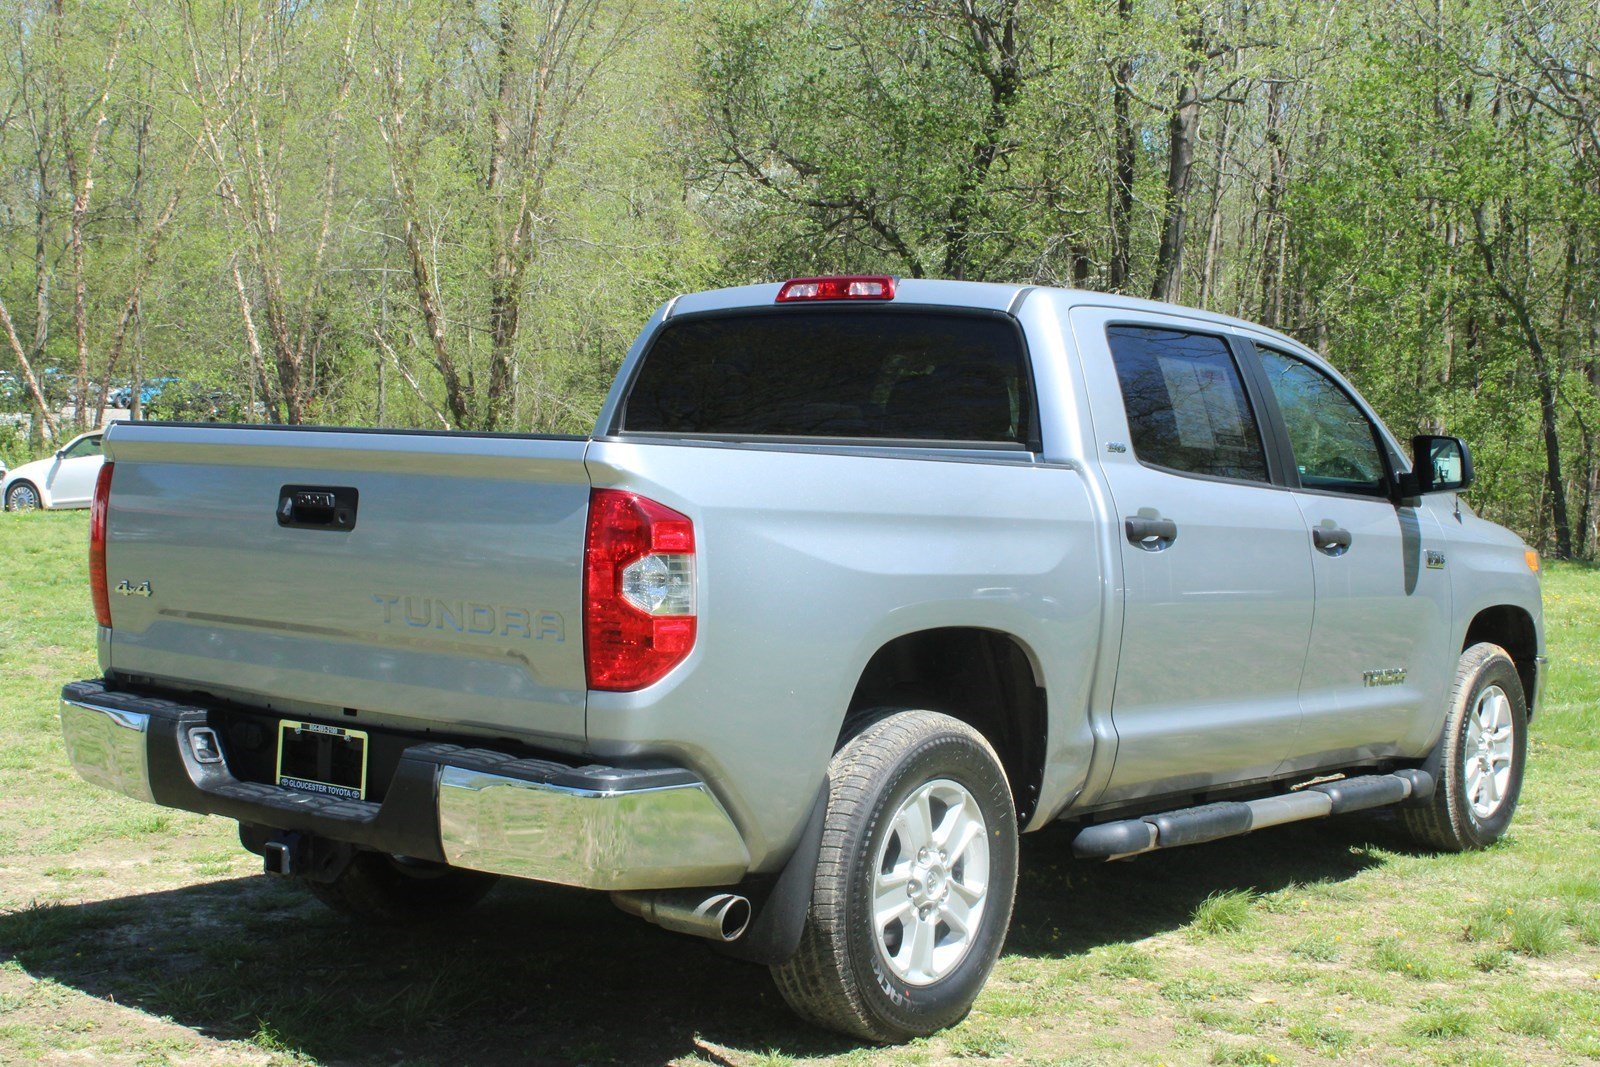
[
  {"x": 1479, "y": 760},
  {"x": 914, "y": 888},
  {"x": 22, "y": 496}
]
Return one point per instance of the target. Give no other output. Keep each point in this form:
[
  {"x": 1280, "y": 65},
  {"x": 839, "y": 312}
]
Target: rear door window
[
  {"x": 1186, "y": 405},
  {"x": 922, "y": 376}
]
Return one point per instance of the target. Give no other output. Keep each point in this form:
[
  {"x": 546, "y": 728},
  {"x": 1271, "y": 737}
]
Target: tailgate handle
[{"x": 318, "y": 507}]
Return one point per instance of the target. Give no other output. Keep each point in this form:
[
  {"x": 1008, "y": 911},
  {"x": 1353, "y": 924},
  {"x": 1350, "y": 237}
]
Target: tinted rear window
[
  {"x": 835, "y": 373},
  {"x": 1186, "y": 404}
]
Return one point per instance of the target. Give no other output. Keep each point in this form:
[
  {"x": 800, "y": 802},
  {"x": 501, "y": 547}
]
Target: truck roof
[{"x": 992, "y": 296}]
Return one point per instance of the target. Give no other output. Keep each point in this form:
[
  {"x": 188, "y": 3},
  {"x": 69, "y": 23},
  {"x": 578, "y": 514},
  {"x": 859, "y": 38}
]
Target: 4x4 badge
[
  {"x": 1435, "y": 560},
  {"x": 127, "y": 588}
]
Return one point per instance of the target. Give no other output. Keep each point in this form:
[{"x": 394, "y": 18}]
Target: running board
[{"x": 1210, "y": 822}]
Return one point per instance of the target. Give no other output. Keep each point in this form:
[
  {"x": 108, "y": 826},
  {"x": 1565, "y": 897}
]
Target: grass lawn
[{"x": 130, "y": 934}]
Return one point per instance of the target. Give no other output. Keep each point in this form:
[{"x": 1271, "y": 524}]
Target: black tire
[
  {"x": 391, "y": 891},
  {"x": 839, "y": 978},
  {"x": 1449, "y": 821},
  {"x": 18, "y": 489}
]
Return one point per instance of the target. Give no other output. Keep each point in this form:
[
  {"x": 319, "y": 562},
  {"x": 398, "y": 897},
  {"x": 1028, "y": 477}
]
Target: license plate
[{"x": 328, "y": 760}]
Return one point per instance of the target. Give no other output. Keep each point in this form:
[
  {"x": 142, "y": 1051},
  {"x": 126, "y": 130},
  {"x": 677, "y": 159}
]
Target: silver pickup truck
[{"x": 856, "y": 579}]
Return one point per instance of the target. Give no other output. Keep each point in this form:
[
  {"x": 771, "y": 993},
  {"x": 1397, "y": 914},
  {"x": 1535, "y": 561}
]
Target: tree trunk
[
  {"x": 29, "y": 379},
  {"x": 46, "y": 429},
  {"x": 433, "y": 319},
  {"x": 996, "y": 55},
  {"x": 1272, "y": 260},
  {"x": 80, "y": 182},
  {"x": 1213, "y": 246},
  {"x": 1120, "y": 203},
  {"x": 505, "y": 279},
  {"x": 1548, "y": 425},
  {"x": 1182, "y": 133},
  {"x": 258, "y": 368}
]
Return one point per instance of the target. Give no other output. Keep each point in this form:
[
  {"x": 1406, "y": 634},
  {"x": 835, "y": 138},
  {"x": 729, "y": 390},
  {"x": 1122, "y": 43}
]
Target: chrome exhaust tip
[{"x": 716, "y": 915}]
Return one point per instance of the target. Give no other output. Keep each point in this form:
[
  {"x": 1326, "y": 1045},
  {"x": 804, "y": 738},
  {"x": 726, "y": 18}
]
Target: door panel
[
  {"x": 72, "y": 476},
  {"x": 1375, "y": 670},
  {"x": 72, "y": 484},
  {"x": 1217, "y": 579},
  {"x": 1380, "y": 608}
]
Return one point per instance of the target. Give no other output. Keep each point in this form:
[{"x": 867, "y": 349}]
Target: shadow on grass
[
  {"x": 543, "y": 975},
  {"x": 1065, "y": 908}
]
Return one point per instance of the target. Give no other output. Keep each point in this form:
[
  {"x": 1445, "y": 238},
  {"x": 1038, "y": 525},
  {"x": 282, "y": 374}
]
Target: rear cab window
[
  {"x": 916, "y": 375},
  {"x": 1186, "y": 403}
]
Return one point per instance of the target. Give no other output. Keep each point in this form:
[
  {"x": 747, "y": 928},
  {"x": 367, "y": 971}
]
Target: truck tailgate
[{"x": 451, "y": 597}]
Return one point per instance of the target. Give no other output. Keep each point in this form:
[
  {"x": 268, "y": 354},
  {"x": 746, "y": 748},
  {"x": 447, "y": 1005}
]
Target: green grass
[
  {"x": 1438, "y": 1022},
  {"x": 1246, "y": 1056},
  {"x": 1223, "y": 912},
  {"x": 1320, "y": 1036},
  {"x": 1529, "y": 929},
  {"x": 1395, "y": 956},
  {"x": 134, "y": 935},
  {"x": 1319, "y": 947}
]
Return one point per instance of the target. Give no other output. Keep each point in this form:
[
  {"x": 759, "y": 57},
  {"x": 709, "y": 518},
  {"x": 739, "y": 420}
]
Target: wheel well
[
  {"x": 982, "y": 677},
  {"x": 1512, "y": 629}
]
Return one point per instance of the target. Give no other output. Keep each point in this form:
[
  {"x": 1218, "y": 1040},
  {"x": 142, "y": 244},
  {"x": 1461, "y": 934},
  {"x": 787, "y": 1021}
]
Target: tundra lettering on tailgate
[{"x": 470, "y": 617}]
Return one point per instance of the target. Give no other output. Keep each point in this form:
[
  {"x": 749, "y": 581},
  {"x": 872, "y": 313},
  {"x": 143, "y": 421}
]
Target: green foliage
[{"x": 1415, "y": 194}]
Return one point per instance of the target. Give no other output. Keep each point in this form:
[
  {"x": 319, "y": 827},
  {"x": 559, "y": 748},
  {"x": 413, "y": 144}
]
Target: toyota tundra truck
[{"x": 856, "y": 579}]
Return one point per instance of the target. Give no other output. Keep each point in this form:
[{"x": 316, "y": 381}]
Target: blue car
[{"x": 122, "y": 395}]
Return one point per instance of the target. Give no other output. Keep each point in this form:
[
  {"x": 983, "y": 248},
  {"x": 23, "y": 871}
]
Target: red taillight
[
  {"x": 97, "y": 546},
  {"x": 840, "y": 287},
  {"x": 638, "y": 590}
]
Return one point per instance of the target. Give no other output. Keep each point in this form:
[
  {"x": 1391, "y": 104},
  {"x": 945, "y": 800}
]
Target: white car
[{"x": 65, "y": 480}]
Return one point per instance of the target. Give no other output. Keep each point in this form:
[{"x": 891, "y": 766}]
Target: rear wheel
[
  {"x": 394, "y": 890},
  {"x": 22, "y": 496},
  {"x": 914, "y": 889},
  {"x": 1478, "y": 764}
]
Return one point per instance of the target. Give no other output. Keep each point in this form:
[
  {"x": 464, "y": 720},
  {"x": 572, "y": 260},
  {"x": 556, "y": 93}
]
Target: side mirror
[{"x": 1438, "y": 465}]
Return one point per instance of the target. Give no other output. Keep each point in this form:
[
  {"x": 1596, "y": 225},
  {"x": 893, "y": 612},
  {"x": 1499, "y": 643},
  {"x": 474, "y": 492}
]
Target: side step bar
[{"x": 1210, "y": 822}]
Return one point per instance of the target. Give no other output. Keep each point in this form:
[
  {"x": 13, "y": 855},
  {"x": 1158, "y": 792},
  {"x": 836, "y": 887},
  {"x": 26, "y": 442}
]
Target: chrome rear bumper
[
  {"x": 595, "y": 827},
  {"x": 107, "y": 746},
  {"x": 598, "y": 836}
]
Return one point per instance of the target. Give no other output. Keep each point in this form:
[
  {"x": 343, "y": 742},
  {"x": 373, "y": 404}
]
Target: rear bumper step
[
  {"x": 1211, "y": 822},
  {"x": 611, "y": 828}
]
